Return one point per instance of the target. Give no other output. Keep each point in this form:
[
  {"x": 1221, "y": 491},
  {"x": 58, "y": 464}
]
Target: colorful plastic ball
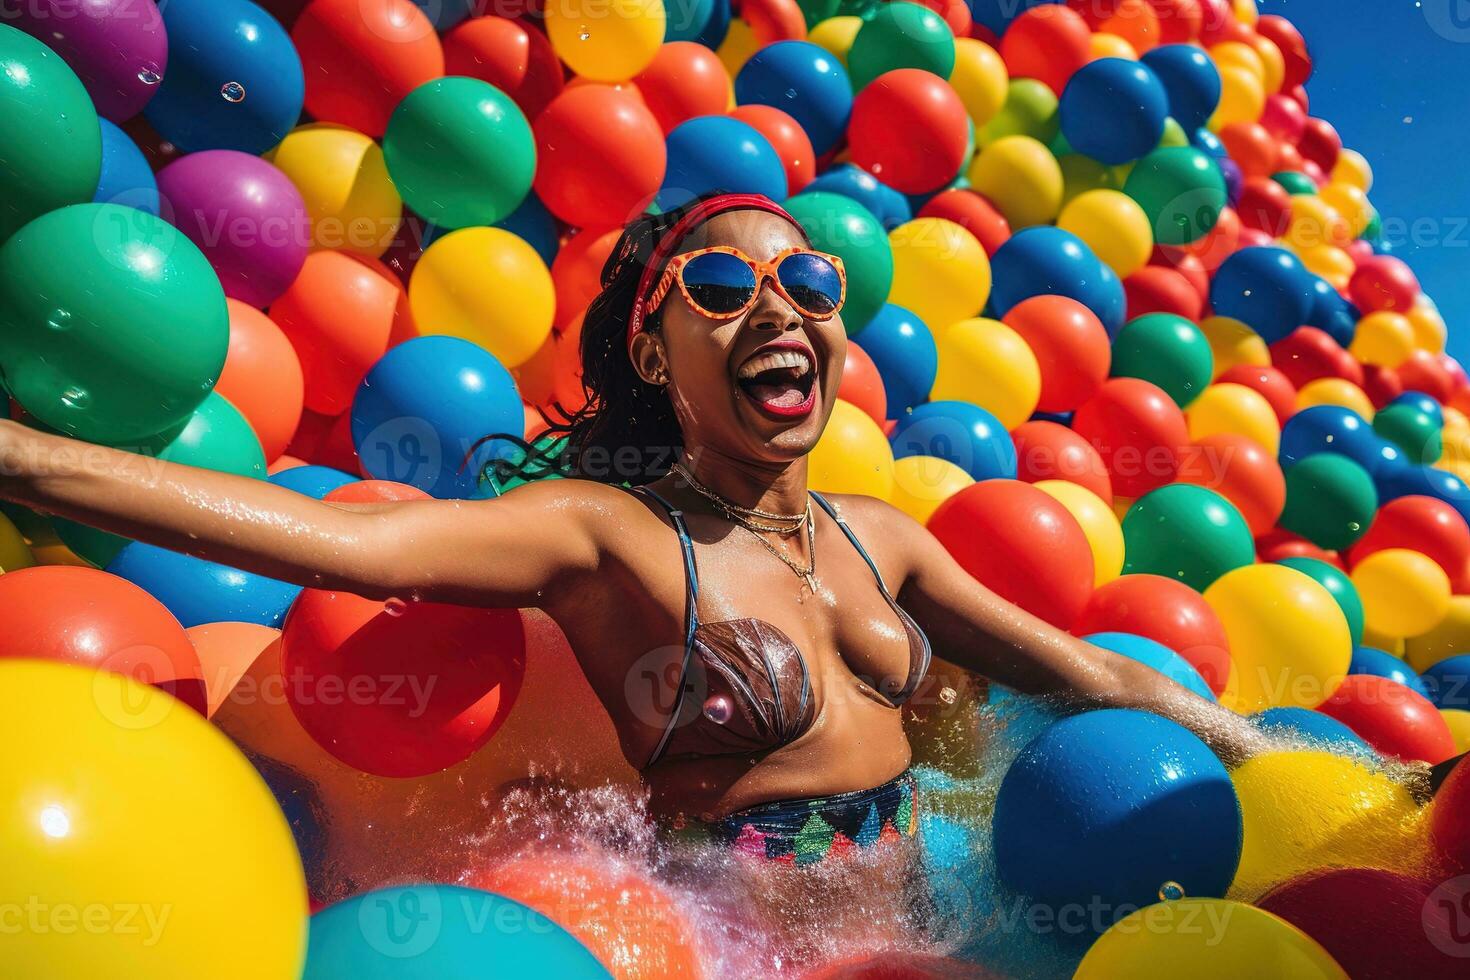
[
  {"x": 1243, "y": 472},
  {"x": 852, "y": 456},
  {"x": 1182, "y": 190},
  {"x": 1413, "y": 431},
  {"x": 1390, "y": 717},
  {"x": 118, "y": 50},
  {"x": 1268, "y": 382},
  {"x": 940, "y": 272},
  {"x": 1187, "y": 533},
  {"x": 607, "y": 45},
  {"x": 1098, "y": 522},
  {"x": 1381, "y": 663},
  {"x": 1048, "y": 451},
  {"x": 840, "y": 225},
  {"x": 1404, "y": 592},
  {"x": 198, "y": 591},
  {"x": 125, "y": 177},
  {"x": 958, "y": 432},
  {"x": 909, "y": 129},
  {"x": 1420, "y": 523},
  {"x": 600, "y": 156},
  {"x": 1030, "y": 109},
  {"x": 904, "y": 352},
  {"x": 1021, "y": 543},
  {"x": 1155, "y": 289},
  {"x": 1330, "y": 500},
  {"x": 1070, "y": 346},
  {"x": 1049, "y": 261},
  {"x": 1049, "y": 44},
  {"x": 787, "y": 138},
  {"x": 1113, "y": 110},
  {"x": 998, "y": 15},
  {"x": 516, "y": 59},
  {"x": 972, "y": 212},
  {"x": 1314, "y": 727},
  {"x": 312, "y": 481},
  {"x": 980, "y": 78},
  {"x": 1233, "y": 344},
  {"x": 1113, "y": 226},
  {"x": 1327, "y": 429},
  {"x": 1266, "y": 288},
  {"x": 1449, "y": 819},
  {"x": 1019, "y": 175},
  {"x": 682, "y": 81},
  {"x": 424, "y": 405},
  {"x": 1263, "y": 204},
  {"x": 922, "y": 483},
  {"x": 1155, "y": 655},
  {"x": 350, "y": 198},
  {"x": 1384, "y": 283},
  {"x": 1167, "y": 350},
  {"x": 1166, "y": 611},
  {"x": 52, "y": 154},
  {"x": 1335, "y": 391},
  {"x": 862, "y": 385},
  {"x": 886, "y": 204},
  {"x": 1106, "y": 806},
  {"x": 1447, "y": 683},
  {"x": 803, "y": 80},
  {"x": 1226, "y": 408},
  {"x": 1426, "y": 372},
  {"x": 1384, "y": 338},
  {"x": 987, "y": 363},
  {"x": 901, "y": 35},
  {"x": 1139, "y": 432},
  {"x": 1423, "y": 403},
  {"x": 234, "y": 80},
  {"x": 711, "y": 153}
]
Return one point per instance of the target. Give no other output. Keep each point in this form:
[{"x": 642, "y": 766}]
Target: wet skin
[{"x": 606, "y": 564}]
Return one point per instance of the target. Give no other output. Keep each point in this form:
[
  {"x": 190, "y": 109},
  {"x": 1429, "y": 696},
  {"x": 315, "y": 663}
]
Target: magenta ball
[
  {"x": 117, "y": 47},
  {"x": 246, "y": 217}
]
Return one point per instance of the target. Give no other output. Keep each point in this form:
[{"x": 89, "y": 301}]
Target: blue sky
[{"x": 1392, "y": 76}]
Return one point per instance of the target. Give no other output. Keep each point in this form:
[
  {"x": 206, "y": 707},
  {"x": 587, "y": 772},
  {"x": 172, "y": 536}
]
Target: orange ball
[
  {"x": 576, "y": 272},
  {"x": 1047, "y": 43},
  {"x": 600, "y": 156},
  {"x": 862, "y": 385},
  {"x": 1071, "y": 347},
  {"x": 685, "y": 79},
  {"x": 1240, "y": 470},
  {"x": 787, "y": 138},
  {"x": 774, "y": 20},
  {"x": 262, "y": 377},
  {"x": 1135, "y": 22},
  {"x": 226, "y": 653},
  {"x": 1253, "y": 148}
]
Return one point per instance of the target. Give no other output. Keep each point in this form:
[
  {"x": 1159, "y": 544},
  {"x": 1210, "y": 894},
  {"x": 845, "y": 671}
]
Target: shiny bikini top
[{"x": 744, "y": 686}]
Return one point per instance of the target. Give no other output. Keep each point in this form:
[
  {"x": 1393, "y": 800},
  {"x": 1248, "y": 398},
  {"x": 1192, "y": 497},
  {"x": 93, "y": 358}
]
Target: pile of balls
[{"x": 1125, "y": 335}]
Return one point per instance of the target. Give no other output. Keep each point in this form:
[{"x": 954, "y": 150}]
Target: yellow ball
[
  {"x": 1242, "y": 95},
  {"x": 14, "y": 552},
  {"x": 1459, "y": 724},
  {"x": 852, "y": 456},
  {"x": 1235, "y": 409},
  {"x": 979, "y": 78},
  {"x": 1384, "y": 338},
  {"x": 138, "y": 840},
  {"x": 1335, "y": 391},
  {"x": 1351, "y": 202},
  {"x": 1106, "y": 45},
  {"x": 1113, "y": 226},
  {"x": 986, "y": 363},
  {"x": 1289, "y": 640},
  {"x": 1315, "y": 223},
  {"x": 1303, "y": 810},
  {"x": 1429, "y": 327},
  {"x": 1404, "y": 593},
  {"x": 922, "y": 483},
  {"x": 836, "y": 34},
  {"x": 1232, "y": 343},
  {"x": 1246, "y": 12},
  {"x": 1237, "y": 54},
  {"x": 1381, "y": 641},
  {"x": 1353, "y": 168},
  {"x": 1099, "y": 523},
  {"x": 606, "y": 42},
  {"x": 1206, "y": 939},
  {"x": 738, "y": 46},
  {"x": 1447, "y": 638},
  {"x": 1329, "y": 262},
  {"x": 487, "y": 286},
  {"x": 1020, "y": 177},
  {"x": 1273, "y": 63},
  {"x": 940, "y": 272},
  {"x": 350, "y": 199}
]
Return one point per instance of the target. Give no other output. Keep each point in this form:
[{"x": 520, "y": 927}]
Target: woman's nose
[{"x": 772, "y": 312}]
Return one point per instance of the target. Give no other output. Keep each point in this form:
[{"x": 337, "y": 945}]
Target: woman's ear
[{"x": 649, "y": 359}]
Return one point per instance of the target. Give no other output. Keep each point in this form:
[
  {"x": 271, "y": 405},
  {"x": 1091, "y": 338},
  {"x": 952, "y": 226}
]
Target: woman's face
[{"x": 759, "y": 386}]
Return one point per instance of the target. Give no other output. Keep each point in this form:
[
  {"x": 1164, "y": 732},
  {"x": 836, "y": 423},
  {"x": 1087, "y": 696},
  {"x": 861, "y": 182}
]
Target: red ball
[
  {"x": 1243, "y": 472},
  {"x": 1021, "y": 543},
  {"x": 1278, "y": 543},
  {"x": 1424, "y": 524},
  {"x": 1155, "y": 289},
  {"x": 1271, "y": 383},
  {"x": 1426, "y": 372},
  {"x": 1216, "y": 18},
  {"x": 1359, "y": 251},
  {"x": 1264, "y": 205},
  {"x": 1393, "y": 719},
  {"x": 1071, "y": 347},
  {"x": 685, "y": 79},
  {"x": 1220, "y": 242},
  {"x": 1252, "y": 238},
  {"x": 1187, "y": 264},
  {"x": 1284, "y": 118},
  {"x": 1047, "y": 43},
  {"x": 576, "y": 272},
  {"x": 1314, "y": 170},
  {"x": 1049, "y": 451},
  {"x": 1302, "y": 99},
  {"x": 1377, "y": 924},
  {"x": 1253, "y": 148},
  {"x": 974, "y": 213},
  {"x": 1138, "y": 430},
  {"x": 787, "y": 138},
  {"x": 1449, "y": 819},
  {"x": 1179, "y": 20},
  {"x": 862, "y": 385},
  {"x": 909, "y": 129},
  {"x": 600, "y": 156},
  {"x": 1307, "y": 354},
  {"x": 1381, "y": 384},
  {"x": 1284, "y": 35},
  {"x": 1384, "y": 283},
  {"x": 85, "y": 616},
  {"x": 397, "y": 688},
  {"x": 1288, "y": 157},
  {"x": 1166, "y": 611},
  {"x": 515, "y": 59},
  {"x": 1320, "y": 144}
]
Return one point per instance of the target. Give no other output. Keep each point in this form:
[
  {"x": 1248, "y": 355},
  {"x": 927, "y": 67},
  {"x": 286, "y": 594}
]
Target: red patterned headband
[{"x": 664, "y": 250}]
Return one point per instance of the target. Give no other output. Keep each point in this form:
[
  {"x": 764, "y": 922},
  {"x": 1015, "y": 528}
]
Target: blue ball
[
  {"x": 444, "y": 14},
  {"x": 719, "y": 153},
  {"x": 1113, "y": 110},
  {"x": 805, "y": 81},
  {"x": 998, "y": 14},
  {"x": 1381, "y": 663},
  {"x": 1047, "y": 260},
  {"x": 903, "y": 350},
  {"x": 533, "y": 224},
  {"x": 1427, "y": 481},
  {"x": 1192, "y": 83},
  {"x": 712, "y": 34},
  {"x": 1422, "y": 402},
  {"x": 966, "y": 435},
  {"x": 198, "y": 591},
  {"x": 440, "y": 932},
  {"x": 1313, "y": 725},
  {"x": 422, "y": 413},
  {"x": 1152, "y": 653},
  {"x": 126, "y": 177},
  {"x": 234, "y": 81},
  {"x": 1447, "y": 683},
  {"x": 1266, "y": 288},
  {"x": 1105, "y": 807},
  {"x": 685, "y": 20},
  {"x": 886, "y": 204},
  {"x": 1332, "y": 314},
  {"x": 313, "y": 481},
  {"x": 1328, "y": 429},
  {"x": 1208, "y": 143}
]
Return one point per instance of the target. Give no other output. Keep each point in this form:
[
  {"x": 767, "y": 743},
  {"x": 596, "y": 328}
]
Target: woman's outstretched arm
[{"x": 501, "y": 552}]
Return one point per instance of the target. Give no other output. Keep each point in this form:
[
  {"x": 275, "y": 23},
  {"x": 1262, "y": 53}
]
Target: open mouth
[{"x": 783, "y": 382}]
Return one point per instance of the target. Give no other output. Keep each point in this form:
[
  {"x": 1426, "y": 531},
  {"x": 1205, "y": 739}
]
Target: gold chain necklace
[
  {"x": 748, "y": 517},
  {"x": 808, "y": 572}
]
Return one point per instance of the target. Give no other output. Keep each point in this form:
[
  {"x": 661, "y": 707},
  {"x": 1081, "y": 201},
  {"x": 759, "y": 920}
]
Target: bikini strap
[{"x": 827, "y": 506}]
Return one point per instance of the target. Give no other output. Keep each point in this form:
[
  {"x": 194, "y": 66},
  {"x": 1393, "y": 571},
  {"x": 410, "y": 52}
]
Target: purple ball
[
  {"x": 246, "y": 217},
  {"x": 1234, "y": 179},
  {"x": 118, "y": 48}
]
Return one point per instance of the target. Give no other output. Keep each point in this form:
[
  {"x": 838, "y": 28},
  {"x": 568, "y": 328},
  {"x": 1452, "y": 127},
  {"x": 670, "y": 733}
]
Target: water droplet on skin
[
  {"x": 149, "y": 77},
  {"x": 1171, "y": 891},
  {"x": 718, "y": 709},
  {"x": 59, "y": 320},
  {"x": 395, "y": 607},
  {"x": 232, "y": 92}
]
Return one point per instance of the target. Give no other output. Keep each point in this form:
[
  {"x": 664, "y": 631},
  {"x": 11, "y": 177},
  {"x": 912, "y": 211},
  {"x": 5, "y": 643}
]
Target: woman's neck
[{"x": 778, "y": 488}]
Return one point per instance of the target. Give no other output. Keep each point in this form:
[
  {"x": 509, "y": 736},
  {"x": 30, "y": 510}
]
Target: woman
[{"x": 753, "y": 641}]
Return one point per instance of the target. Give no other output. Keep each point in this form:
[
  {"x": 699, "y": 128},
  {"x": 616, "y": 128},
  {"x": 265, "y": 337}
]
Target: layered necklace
[{"x": 756, "y": 521}]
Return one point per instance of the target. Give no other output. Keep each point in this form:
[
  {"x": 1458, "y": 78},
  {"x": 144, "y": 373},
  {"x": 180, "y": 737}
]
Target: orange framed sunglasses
[{"x": 722, "y": 282}]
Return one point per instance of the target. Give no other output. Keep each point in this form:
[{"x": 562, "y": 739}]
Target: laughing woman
[{"x": 784, "y": 627}]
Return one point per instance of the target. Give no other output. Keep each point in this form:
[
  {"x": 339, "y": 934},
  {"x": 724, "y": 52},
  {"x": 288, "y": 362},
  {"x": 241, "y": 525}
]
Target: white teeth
[{"x": 776, "y": 359}]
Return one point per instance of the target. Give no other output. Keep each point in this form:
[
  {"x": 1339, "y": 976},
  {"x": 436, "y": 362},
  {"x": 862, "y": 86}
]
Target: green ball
[
  {"x": 460, "y": 152},
  {"x": 1186, "y": 533},
  {"x": 842, "y": 226},
  {"x": 1374, "y": 231},
  {"x": 1181, "y": 190},
  {"x": 1413, "y": 431},
  {"x": 900, "y": 35},
  {"x": 1030, "y": 110},
  {"x": 1081, "y": 174},
  {"x": 1168, "y": 351},
  {"x": 216, "y": 437},
  {"x": 113, "y": 325},
  {"x": 50, "y": 142},
  {"x": 1338, "y": 585},
  {"x": 1330, "y": 500},
  {"x": 1295, "y": 182},
  {"x": 813, "y": 11}
]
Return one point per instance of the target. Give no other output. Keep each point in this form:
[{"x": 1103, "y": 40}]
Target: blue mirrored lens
[
  {"x": 812, "y": 282},
  {"x": 719, "y": 282}
]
